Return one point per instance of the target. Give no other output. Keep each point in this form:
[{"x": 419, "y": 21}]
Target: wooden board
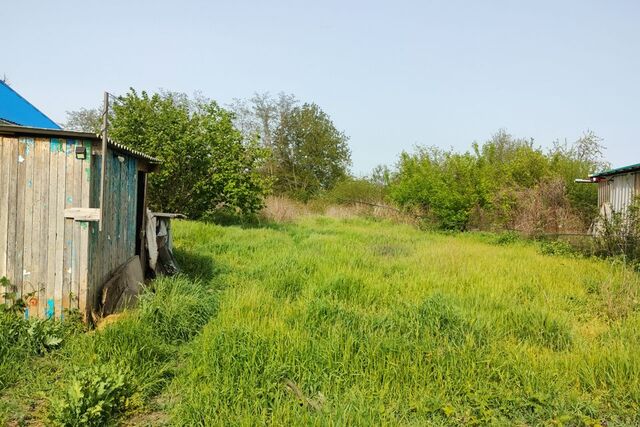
[
  {"x": 60, "y": 228},
  {"x": 67, "y": 292},
  {"x": 52, "y": 223},
  {"x": 83, "y": 285},
  {"x": 29, "y": 286},
  {"x": 43, "y": 201},
  {"x": 21, "y": 176},
  {"x": 83, "y": 214},
  {"x": 5, "y": 160},
  {"x": 11, "y": 156},
  {"x": 38, "y": 245}
]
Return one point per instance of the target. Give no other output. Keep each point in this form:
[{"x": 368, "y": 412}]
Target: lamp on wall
[{"x": 81, "y": 152}]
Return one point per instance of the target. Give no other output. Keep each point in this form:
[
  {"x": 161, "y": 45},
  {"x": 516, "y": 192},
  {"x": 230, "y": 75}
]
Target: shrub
[
  {"x": 21, "y": 339},
  {"x": 556, "y": 247},
  {"x": 545, "y": 208},
  {"x": 352, "y": 190},
  {"x": 95, "y": 396},
  {"x": 283, "y": 209},
  {"x": 506, "y": 238},
  {"x": 618, "y": 234},
  {"x": 505, "y": 182}
]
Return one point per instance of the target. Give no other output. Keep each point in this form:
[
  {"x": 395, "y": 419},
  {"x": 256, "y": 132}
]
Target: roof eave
[{"x": 31, "y": 131}]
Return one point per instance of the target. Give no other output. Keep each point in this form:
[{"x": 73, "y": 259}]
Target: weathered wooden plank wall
[
  {"x": 112, "y": 247},
  {"x": 41, "y": 251},
  {"x": 59, "y": 263}
]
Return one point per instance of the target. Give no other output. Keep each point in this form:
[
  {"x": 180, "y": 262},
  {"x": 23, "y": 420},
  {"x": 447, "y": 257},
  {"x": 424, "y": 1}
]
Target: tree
[
  {"x": 310, "y": 154},
  {"x": 381, "y": 175},
  {"x": 206, "y": 164},
  {"x": 259, "y": 117},
  {"x": 85, "y": 120},
  {"x": 578, "y": 160}
]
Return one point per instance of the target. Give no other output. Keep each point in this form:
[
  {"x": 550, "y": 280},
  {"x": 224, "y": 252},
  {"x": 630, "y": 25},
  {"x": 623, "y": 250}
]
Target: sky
[{"x": 391, "y": 75}]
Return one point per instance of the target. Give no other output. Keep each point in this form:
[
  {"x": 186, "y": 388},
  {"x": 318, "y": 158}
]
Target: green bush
[
  {"x": 506, "y": 238},
  {"x": 490, "y": 187},
  {"x": 21, "y": 339},
  {"x": 619, "y": 234},
  {"x": 557, "y": 247},
  {"x": 95, "y": 397},
  {"x": 351, "y": 190}
]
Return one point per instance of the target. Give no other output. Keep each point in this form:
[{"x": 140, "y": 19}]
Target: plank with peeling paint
[
  {"x": 4, "y": 199},
  {"x": 68, "y": 226},
  {"x": 52, "y": 222},
  {"x": 5, "y": 160},
  {"x": 28, "y": 285},
  {"x": 77, "y": 232},
  {"x": 36, "y": 226},
  {"x": 20, "y": 216},
  {"x": 59, "y": 224},
  {"x": 84, "y": 235},
  {"x": 43, "y": 202},
  {"x": 12, "y": 207}
]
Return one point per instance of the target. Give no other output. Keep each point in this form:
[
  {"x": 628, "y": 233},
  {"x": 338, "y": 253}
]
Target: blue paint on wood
[
  {"x": 50, "y": 308},
  {"x": 70, "y": 147},
  {"x": 28, "y": 142},
  {"x": 55, "y": 146}
]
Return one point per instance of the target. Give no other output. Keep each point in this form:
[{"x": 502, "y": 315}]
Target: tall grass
[
  {"x": 97, "y": 378},
  {"x": 325, "y": 321},
  {"x": 361, "y": 322}
]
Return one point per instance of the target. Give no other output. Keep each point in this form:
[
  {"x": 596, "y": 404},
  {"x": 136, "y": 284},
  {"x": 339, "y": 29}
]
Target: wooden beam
[{"x": 82, "y": 214}]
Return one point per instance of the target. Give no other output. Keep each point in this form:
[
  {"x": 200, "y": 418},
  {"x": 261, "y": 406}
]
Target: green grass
[{"x": 358, "y": 322}]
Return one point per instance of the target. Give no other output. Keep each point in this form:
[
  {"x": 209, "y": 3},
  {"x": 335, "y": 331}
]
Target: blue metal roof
[{"x": 17, "y": 110}]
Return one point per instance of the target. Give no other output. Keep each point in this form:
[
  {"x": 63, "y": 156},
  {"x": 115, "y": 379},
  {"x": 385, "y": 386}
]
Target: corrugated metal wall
[
  {"x": 41, "y": 252},
  {"x": 619, "y": 191},
  {"x": 112, "y": 247},
  {"x": 603, "y": 193}
]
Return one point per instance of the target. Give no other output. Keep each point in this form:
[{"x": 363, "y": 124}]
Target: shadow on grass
[{"x": 196, "y": 266}]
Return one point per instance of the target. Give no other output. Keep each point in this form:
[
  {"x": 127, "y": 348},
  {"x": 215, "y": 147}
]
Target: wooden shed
[{"x": 58, "y": 245}]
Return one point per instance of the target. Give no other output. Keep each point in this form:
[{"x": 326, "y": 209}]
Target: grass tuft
[{"x": 177, "y": 308}]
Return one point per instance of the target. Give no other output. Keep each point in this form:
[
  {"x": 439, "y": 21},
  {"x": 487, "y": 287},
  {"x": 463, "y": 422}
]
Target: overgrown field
[{"x": 350, "y": 322}]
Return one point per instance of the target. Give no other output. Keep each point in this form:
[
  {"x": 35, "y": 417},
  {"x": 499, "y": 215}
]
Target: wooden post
[{"x": 105, "y": 124}]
